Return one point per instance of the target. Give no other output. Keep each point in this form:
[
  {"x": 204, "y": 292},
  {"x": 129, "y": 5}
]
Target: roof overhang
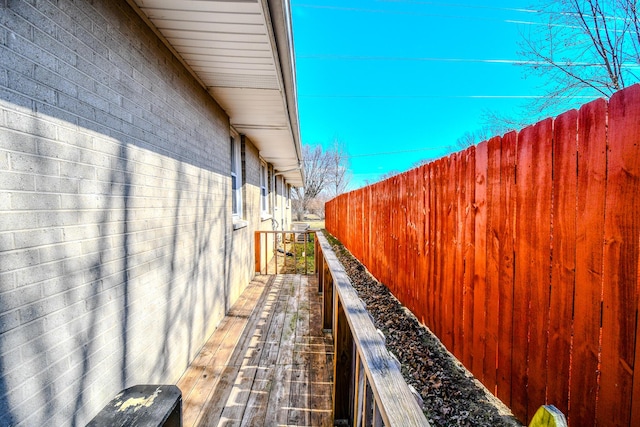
[{"x": 241, "y": 51}]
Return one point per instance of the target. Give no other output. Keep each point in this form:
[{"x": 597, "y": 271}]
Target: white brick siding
[{"x": 118, "y": 254}]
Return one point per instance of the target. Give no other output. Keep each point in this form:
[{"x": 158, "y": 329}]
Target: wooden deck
[{"x": 267, "y": 364}]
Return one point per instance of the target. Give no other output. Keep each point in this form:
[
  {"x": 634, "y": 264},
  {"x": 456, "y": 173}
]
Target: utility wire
[
  {"x": 336, "y": 57},
  {"x": 506, "y": 9},
  {"x": 448, "y": 5},
  {"x": 413, "y": 13},
  {"x": 459, "y": 5},
  {"x": 457, "y": 17},
  {"x": 446, "y": 96},
  {"x": 387, "y": 153}
]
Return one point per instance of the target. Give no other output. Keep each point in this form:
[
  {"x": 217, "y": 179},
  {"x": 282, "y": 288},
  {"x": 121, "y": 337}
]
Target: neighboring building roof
[{"x": 241, "y": 51}]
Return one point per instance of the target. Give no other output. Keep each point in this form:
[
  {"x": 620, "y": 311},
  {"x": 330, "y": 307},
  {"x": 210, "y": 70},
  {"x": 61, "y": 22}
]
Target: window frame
[
  {"x": 236, "y": 176},
  {"x": 264, "y": 189},
  {"x": 279, "y": 181},
  {"x": 271, "y": 188}
]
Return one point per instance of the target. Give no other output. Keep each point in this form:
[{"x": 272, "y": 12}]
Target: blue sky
[{"x": 400, "y": 81}]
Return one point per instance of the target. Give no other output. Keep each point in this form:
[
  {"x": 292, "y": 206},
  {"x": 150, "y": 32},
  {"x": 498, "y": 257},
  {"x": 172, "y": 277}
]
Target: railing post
[
  {"x": 266, "y": 253},
  {"x": 359, "y": 405},
  {"x": 368, "y": 404},
  {"x": 318, "y": 261},
  {"x": 306, "y": 236},
  {"x": 342, "y": 367},
  {"x": 316, "y": 254},
  {"x": 328, "y": 299},
  {"x": 377, "y": 417},
  {"x": 293, "y": 251},
  {"x": 257, "y": 238},
  {"x": 275, "y": 251}
]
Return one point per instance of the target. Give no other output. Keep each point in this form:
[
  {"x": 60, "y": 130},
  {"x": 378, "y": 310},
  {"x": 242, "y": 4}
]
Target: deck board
[
  {"x": 268, "y": 363},
  {"x": 299, "y": 413}
]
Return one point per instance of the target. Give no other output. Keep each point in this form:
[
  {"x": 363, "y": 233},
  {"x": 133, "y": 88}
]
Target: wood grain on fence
[
  {"x": 592, "y": 173},
  {"x": 621, "y": 257},
  {"x": 522, "y": 254}
]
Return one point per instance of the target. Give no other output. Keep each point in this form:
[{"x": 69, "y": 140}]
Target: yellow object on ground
[{"x": 548, "y": 416}]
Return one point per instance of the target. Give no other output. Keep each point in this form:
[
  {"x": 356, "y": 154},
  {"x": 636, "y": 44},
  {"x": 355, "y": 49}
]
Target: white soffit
[{"x": 231, "y": 47}]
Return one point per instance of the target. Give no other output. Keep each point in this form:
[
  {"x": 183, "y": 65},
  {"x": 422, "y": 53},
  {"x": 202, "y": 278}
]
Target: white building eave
[{"x": 242, "y": 53}]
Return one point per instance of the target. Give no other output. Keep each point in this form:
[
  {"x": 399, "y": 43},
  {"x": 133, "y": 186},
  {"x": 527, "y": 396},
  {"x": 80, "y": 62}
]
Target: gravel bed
[{"x": 451, "y": 395}]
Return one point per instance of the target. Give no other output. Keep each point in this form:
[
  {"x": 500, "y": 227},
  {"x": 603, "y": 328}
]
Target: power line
[
  {"x": 451, "y": 5},
  {"x": 506, "y": 9},
  {"x": 399, "y": 12},
  {"x": 463, "y": 6},
  {"x": 336, "y": 57},
  {"x": 387, "y": 153},
  {"x": 446, "y": 96},
  {"x": 473, "y": 18}
]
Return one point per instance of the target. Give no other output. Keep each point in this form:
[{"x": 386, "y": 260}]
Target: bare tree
[
  {"x": 389, "y": 174},
  {"x": 325, "y": 173},
  {"x": 470, "y": 138},
  {"x": 499, "y": 126},
  {"x": 316, "y": 164},
  {"x": 421, "y": 162},
  {"x": 339, "y": 175},
  {"x": 586, "y": 47}
]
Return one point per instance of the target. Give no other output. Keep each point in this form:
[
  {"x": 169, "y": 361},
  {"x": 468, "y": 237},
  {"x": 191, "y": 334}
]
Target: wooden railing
[
  {"x": 368, "y": 388},
  {"x": 291, "y": 245}
]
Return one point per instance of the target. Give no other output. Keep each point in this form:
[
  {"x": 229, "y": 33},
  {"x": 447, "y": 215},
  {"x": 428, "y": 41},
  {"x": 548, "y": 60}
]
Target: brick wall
[{"x": 119, "y": 255}]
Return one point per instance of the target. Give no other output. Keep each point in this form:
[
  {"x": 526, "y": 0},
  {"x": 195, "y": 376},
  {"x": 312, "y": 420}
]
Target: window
[
  {"x": 288, "y": 195},
  {"x": 264, "y": 193},
  {"x": 236, "y": 178},
  {"x": 271, "y": 186},
  {"x": 278, "y": 192}
]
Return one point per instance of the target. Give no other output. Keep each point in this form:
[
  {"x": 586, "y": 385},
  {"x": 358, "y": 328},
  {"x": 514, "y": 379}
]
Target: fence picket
[
  {"x": 430, "y": 292},
  {"x": 622, "y": 230},
  {"x": 592, "y": 172},
  {"x": 564, "y": 257},
  {"x": 412, "y": 243},
  {"x": 448, "y": 239},
  {"x": 439, "y": 248},
  {"x": 480, "y": 262},
  {"x": 469, "y": 233},
  {"x": 535, "y": 253},
  {"x": 492, "y": 301},
  {"x": 424, "y": 244},
  {"x": 458, "y": 280},
  {"x": 506, "y": 267}
]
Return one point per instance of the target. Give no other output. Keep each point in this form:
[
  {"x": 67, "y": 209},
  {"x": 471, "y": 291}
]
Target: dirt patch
[{"x": 451, "y": 395}]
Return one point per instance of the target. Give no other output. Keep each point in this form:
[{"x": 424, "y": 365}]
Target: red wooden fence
[{"x": 522, "y": 255}]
